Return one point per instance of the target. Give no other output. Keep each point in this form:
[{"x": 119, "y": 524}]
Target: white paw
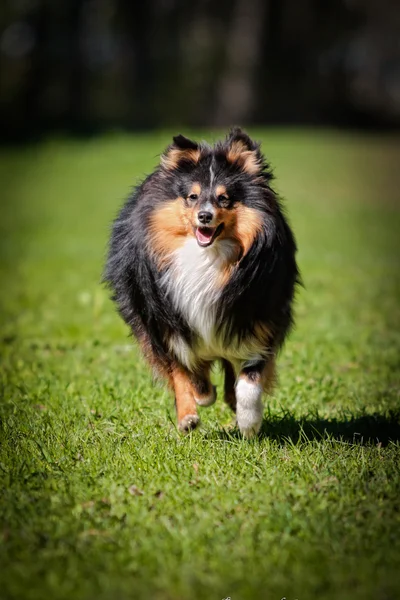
[
  {"x": 188, "y": 423},
  {"x": 207, "y": 400},
  {"x": 249, "y": 407},
  {"x": 250, "y": 432}
]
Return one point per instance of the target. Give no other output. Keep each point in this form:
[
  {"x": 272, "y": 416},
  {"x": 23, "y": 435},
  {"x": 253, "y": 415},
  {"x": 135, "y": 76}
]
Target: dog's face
[
  {"x": 218, "y": 193},
  {"x": 208, "y": 209}
]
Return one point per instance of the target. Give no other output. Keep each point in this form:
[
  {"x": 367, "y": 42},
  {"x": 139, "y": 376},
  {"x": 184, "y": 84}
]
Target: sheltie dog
[{"x": 202, "y": 267}]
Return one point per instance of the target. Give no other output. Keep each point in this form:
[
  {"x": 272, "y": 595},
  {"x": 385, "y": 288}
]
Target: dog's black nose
[{"x": 205, "y": 217}]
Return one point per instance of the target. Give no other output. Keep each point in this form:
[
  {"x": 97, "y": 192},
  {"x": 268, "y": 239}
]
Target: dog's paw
[
  {"x": 188, "y": 423},
  {"x": 207, "y": 400},
  {"x": 250, "y": 432}
]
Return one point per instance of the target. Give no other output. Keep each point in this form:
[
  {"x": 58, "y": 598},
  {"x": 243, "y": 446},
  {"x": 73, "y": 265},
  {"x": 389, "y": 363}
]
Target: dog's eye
[
  {"x": 193, "y": 197},
  {"x": 223, "y": 199}
]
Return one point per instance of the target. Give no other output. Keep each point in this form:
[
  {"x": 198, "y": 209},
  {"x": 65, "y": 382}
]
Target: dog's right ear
[{"x": 181, "y": 151}]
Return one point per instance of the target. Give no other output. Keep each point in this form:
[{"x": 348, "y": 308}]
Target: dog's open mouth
[{"x": 205, "y": 236}]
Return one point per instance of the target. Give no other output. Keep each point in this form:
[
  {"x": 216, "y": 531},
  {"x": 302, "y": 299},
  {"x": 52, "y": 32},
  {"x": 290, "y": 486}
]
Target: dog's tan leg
[
  {"x": 203, "y": 390},
  {"x": 186, "y": 409},
  {"x": 229, "y": 385},
  {"x": 253, "y": 380}
]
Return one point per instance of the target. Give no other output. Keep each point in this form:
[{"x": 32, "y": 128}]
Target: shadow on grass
[{"x": 376, "y": 429}]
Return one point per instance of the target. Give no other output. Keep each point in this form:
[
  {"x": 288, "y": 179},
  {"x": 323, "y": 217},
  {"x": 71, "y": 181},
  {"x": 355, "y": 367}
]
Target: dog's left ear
[
  {"x": 243, "y": 151},
  {"x": 181, "y": 151}
]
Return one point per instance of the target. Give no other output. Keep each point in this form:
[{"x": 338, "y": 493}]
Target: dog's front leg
[
  {"x": 204, "y": 391},
  {"x": 253, "y": 380},
  {"x": 186, "y": 409}
]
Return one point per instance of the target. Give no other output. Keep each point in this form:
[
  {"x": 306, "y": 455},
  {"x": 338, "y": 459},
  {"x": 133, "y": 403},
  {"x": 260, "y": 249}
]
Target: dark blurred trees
[{"x": 86, "y": 64}]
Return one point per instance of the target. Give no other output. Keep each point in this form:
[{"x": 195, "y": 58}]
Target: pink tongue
[{"x": 204, "y": 235}]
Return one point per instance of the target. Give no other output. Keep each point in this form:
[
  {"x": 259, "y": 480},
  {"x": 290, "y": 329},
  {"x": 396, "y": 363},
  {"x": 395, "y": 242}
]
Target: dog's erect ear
[
  {"x": 243, "y": 151},
  {"x": 237, "y": 135},
  {"x": 182, "y": 151},
  {"x": 183, "y": 143}
]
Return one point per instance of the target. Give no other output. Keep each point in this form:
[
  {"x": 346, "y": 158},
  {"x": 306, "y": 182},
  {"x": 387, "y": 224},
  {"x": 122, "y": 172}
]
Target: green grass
[{"x": 311, "y": 510}]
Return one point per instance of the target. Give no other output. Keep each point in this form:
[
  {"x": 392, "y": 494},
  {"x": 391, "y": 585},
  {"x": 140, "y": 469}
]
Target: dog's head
[{"x": 214, "y": 193}]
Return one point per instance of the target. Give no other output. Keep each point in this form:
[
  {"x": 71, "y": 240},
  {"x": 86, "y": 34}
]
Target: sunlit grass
[{"x": 311, "y": 510}]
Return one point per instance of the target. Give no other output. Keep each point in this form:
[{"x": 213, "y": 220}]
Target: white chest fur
[{"x": 194, "y": 285}]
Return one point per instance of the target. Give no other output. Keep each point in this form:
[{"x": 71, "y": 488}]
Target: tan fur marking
[
  {"x": 236, "y": 150},
  {"x": 169, "y": 226},
  {"x": 229, "y": 219},
  {"x": 246, "y": 159},
  {"x": 172, "y": 158},
  {"x": 185, "y": 402},
  {"x": 196, "y": 189},
  {"x": 251, "y": 164},
  {"x": 224, "y": 276},
  {"x": 248, "y": 225},
  {"x": 220, "y": 190}
]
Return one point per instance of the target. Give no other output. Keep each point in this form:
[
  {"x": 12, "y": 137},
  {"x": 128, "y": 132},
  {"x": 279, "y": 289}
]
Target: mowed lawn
[{"x": 101, "y": 497}]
